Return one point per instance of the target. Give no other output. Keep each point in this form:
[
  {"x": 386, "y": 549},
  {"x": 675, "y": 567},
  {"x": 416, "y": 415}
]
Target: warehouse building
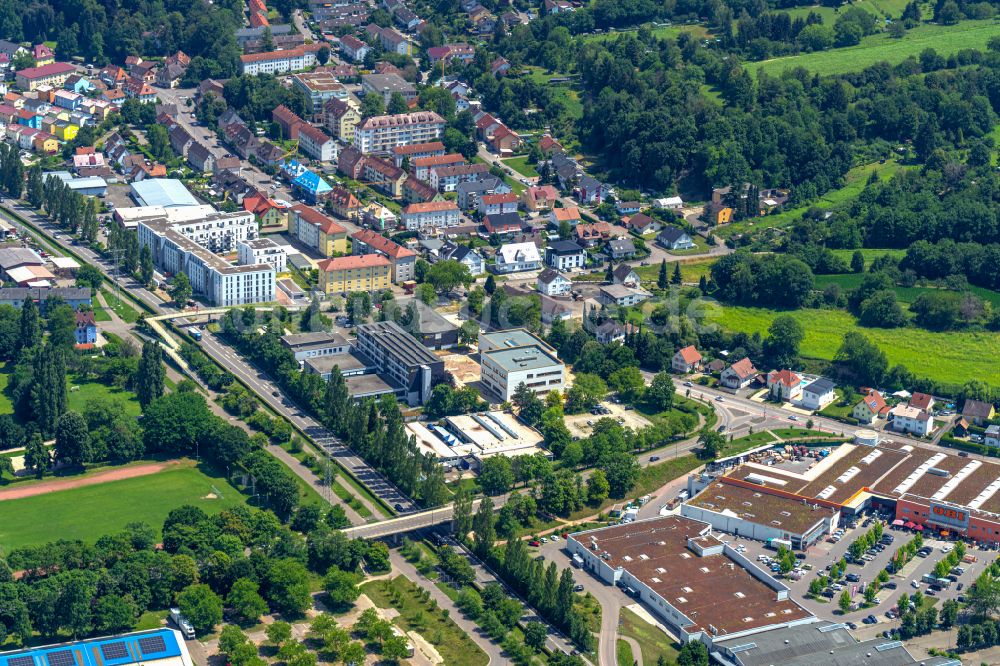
[
  {"x": 474, "y": 437},
  {"x": 701, "y": 587},
  {"x": 313, "y": 345},
  {"x": 165, "y": 192}
]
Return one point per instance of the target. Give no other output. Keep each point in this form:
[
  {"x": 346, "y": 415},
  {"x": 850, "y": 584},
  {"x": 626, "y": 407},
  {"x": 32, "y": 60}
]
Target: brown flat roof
[
  {"x": 763, "y": 508},
  {"x": 709, "y": 590}
]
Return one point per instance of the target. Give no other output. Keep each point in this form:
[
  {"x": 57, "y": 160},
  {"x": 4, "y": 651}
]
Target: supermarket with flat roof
[{"x": 931, "y": 490}]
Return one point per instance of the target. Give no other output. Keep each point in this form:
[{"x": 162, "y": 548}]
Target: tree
[
  {"x": 661, "y": 280},
  {"x": 782, "y": 344},
  {"x": 881, "y": 310},
  {"x": 278, "y": 632},
  {"x": 844, "y": 601},
  {"x": 496, "y": 475},
  {"x": 660, "y": 394},
  {"x": 61, "y": 325},
  {"x": 397, "y": 104},
  {"x": 535, "y": 635},
  {"x": 89, "y": 276},
  {"x": 323, "y": 55},
  {"x": 114, "y": 614},
  {"x": 341, "y": 586},
  {"x": 676, "y": 278},
  {"x": 395, "y": 648},
  {"x": 72, "y": 439},
  {"x": 36, "y": 456},
  {"x": 622, "y": 471},
  {"x": 858, "y": 262},
  {"x": 30, "y": 325},
  {"x": 245, "y": 601},
  {"x": 711, "y": 443},
  {"x": 151, "y": 373},
  {"x": 175, "y": 423},
  {"x": 483, "y": 524},
  {"x": 984, "y": 596},
  {"x": 491, "y": 284},
  {"x": 287, "y": 587},
  {"x": 181, "y": 290},
  {"x": 863, "y": 359},
  {"x": 949, "y": 613},
  {"x": 628, "y": 383},
  {"x": 448, "y": 274},
  {"x": 146, "y": 268},
  {"x": 693, "y": 653},
  {"x": 468, "y": 332},
  {"x": 587, "y": 390},
  {"x": 201, "y": 606},
  {"x": 597, "y": 487},
  {"x": 529, "y": 405},
  {"x": 372, "y": 105}
]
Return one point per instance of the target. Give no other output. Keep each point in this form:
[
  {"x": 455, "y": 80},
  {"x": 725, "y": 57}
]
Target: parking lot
[{"x": 825, "y": 553}]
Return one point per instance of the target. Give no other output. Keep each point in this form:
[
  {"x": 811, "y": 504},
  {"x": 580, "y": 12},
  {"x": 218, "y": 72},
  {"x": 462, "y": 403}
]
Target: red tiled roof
[
  {"x": 438, "y": 160},
  {"x": 430, "y": 207},
  {"x": 743, "y": 368},
  {"x": 921, "y": 401},
  {"x": 316, "y": 218},
  {"x": 297, "y": 52},
  {"x": 490, "y": 199},
  {"x": 783, "y": 377},
  {"x": 689, "y": 354},
  {"x": 382, "y": 244},
  {"x": 45, "y": 70},
  {"x": 352, "y": 262},
  {"x": 572, "y": 213}
]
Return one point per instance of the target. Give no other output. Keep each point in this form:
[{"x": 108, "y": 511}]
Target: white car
[
  {"x": 915, "y": 585},
  {"x": 947, "y": 548}
]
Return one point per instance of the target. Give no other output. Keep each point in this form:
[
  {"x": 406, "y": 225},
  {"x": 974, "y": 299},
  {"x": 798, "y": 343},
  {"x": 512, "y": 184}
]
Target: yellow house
[
  {"x": 317, "y": 230},
  {"x": 45, "y": 143},
  {"x": 342, "y": 116},
  {"x": 367, "y": 272},
  {"x": 66, "y": 131},
  {"x": 722, "y": 215}
]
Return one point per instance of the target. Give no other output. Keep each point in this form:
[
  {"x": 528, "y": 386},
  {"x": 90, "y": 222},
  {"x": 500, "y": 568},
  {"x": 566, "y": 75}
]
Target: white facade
[
  {"x": 317, "y": 144},
  {"x": 503, "y": 370},
  {"x": 383, "y": 133},
  {"x": 262, "y": 251},
  {"x": 556, "y": 286},
  {"x": 911, "y": 420},
  {"x": 432, "y": 214},
  {"x": 818, "y": 394},
  {"x": 220, "y": 283},
  {"x": 566, "y": 261},
  {"x": 277, "y": 62},
  {"x": 518, "y": 257},
  {"x": 219, "y": 232}
]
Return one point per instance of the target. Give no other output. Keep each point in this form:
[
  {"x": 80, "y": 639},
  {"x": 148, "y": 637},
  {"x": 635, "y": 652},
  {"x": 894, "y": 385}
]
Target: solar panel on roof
[
  {"x": 114, "y": 651},
  {"x": 152, "y": 644},
  {"x": 61, "y": 658},
  {"x": 25, "y": 660}
]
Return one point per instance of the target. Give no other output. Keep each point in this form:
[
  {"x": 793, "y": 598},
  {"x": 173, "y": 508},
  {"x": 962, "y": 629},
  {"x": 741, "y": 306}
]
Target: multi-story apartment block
[
  {"x": 383, "y": 133},
  {"x": 421, "y": 166},
  {"x": 367, "y": 272},
  {"x": 319, "y": 86},
  {"x": 384, "y": 176},
  {"x": 316, "y": 144},
  {"x": 403, "y": 260},
  {"x": 341, "y": 118},
  {"x": 434, "y": 214},
  {"x": 279, "y": 62},
  {"x": 218, "y": 281},
  {"x": 316, "y": 230},
  {"x": 447, "y": 179},
  {"x": 217, "y": 232},
  {"x": 262, "y": 251}
]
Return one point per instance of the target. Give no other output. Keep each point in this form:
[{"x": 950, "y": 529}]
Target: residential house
[
  {"x": 499, "y": 67},
  {"x": 469, "y": 258},
  {"x": 316, "y": 144},
  {"x": 448, "y": 52},
  {"x": 421, "y": 166},
  {"x": 433, "y": 214},
  {"x": 395, "y": 42},
  {"x": 402, "y": 260},
  {"x": 54, "y": 74},
  {"x": 470, "y": 192},
  {"x": 784, "y": 385},
  {"x": 553, "y": 283},
  {"x": 43, "y": 55},
  {"x": 549, "y": 145},
  {"x": 922, "y": 401},
  {"x": 350, "y": 162},
  {"x": 388, "y": 85},
  {"x": 559, "y": 215},
  {"x": 417, "y": 191},
  {"x": 266, "y": 211},
  {"x": 625, "y": 275},
  {"x": 589, "y": 235},
  {"x": 446, "y": 179},
  {"x": 642, "y": 224},
  {"x": 718, "y": 214},
  {"x": 504, "y": 224},
  {"x": 341, "y": 117},
  {"x": 379, "y": 217},
  {"x": 353, "y": 48},
  {"x": 269, "y": 154},
  {"x": 906, "y": 419},
  {"x": 288, "y": 122},
  {"x": 383, "y": 133},
  {"x": 316, "y": 230},
  {"x": 621, "y": 249},
  {"x": 539, "y": 197},
  {"x": 622, "y": 296},
  {"x": 992, "y": 436},
  {"x": 279, "y": 62},
  {"x": 201, "y": 158},
  {"x": 738, "y": 375},
  {"x": 669, "y": 203},
  {"x": 86, "y": 328},
  {"x": 384, "y": 176},
  {"x": 344, "y": 203},
  {"x": 628, "y": 207},
  {"x": 871, "y": 407},
  {"x": 685, "y": 360},
  {"x": 517, "y": 258},
  {"x": 565, "y": 255},
  {"x": 818, "y": 394},
  {"x": 592, "y": 191},
  {"x": 319, "y": 85},
  {"x": 673, "y": 238},
  {"x": 977, "y": 412},
  {"x": 343, "y": 275},
  {"x": 415, "y": 151},
  {"x": 496, "y": 204}
]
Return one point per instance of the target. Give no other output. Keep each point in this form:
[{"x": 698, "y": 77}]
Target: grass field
[
  {"x": 869, "y": 253},
  {"x": 672, "y": 31},
  {"x": 522, "y": 164},
  {"x": 121, "y": 307},
  {"x": 418, "y": 615},
  {"x": 562, "y": 92},
  {"x": 906, "y": 295},
  {"x": 6, "y": 406},
  {"x": 953, "y": 357},
  {"x": 855, "y": 181},
  {"x": 652, "y": 642},
  {"x": 945, "y": 39},
  {"x": 691, "y": 271},
  {"x": 90, "y": 512},
  {"x": 884, "y": 8},
  {"x": 90, "y": 390}
]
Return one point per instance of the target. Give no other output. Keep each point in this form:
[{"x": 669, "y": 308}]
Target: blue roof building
[
  {"x": 166, "y": 192},
  {"x": 309, "y": 185},
  {"x": 144, "y": 647}
]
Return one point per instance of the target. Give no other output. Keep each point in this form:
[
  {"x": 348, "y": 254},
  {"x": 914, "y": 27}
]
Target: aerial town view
[{"x": 499, "y": 332}]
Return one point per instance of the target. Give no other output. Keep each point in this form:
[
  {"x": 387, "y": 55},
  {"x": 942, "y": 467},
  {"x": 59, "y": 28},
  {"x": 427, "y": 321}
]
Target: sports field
[
  {"x": 952, "y": 357},
  {"x": 945, "y": 39},
  {"x": 92, "y": 511}
]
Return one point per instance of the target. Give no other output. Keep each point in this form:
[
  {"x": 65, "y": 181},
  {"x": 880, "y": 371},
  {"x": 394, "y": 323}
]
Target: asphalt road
[{"x": 265, "y": 389}]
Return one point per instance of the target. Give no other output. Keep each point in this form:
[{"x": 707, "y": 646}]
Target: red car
[{"x": 534, "y": 542}]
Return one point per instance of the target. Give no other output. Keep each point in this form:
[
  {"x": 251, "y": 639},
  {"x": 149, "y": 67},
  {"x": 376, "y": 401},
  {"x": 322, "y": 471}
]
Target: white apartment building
[
  {"x": 518, "y": 257},
  {"x": 436, "y": 214},
  {"x": 504, "y": 369},
  {"x": 262, "y": 251},
  {"x": 279, "y": 62},
  {"x": 219, "y": 232},
  {"x": 316, "y": 144},
  {"x": 904, "y": 418},
  {"x": 219, "y": 282},
  {"x": 383, "y": 133}
]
